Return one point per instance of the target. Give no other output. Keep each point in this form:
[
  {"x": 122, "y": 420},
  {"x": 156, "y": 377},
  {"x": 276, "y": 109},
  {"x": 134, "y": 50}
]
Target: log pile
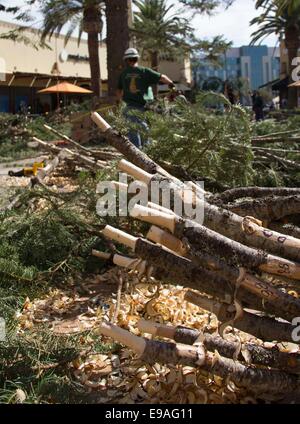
[{"x": 237, "y": 265}]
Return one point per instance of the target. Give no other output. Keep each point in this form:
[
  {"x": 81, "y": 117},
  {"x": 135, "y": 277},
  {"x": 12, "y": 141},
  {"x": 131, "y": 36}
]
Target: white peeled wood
[
  {"x": 138, "y": 344},
  {"x": 203, "y": 302},
  {"x": 119, "y": 236},
  {"x": 149, "y": 327},
  {"x": 156, "y": 329},
  {"x": 100, "y": 122},
  {"x": 120, "y": 186},
  {"x": 125, "y": 262},
  {"x": 253, "y": 229},
  {"x": 154, "y": 217},
  {"x": 101, "y": 255},
  {"x": 197, "y": 189},
  {"x": 166, "y": 239},
  {"x": 159, "y": 208},
  {"x": 135, "y": 171}
]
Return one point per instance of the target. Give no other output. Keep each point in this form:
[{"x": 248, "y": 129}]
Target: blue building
[{"x": 256, "y": 64}]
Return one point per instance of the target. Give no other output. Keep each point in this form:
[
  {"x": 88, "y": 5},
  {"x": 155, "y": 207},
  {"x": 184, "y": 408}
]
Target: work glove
[{"x": 172, "y": 85}]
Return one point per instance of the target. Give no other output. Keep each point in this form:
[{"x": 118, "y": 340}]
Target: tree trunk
[
  {"x": 267, "y": 208},
  {"x": 154, "y": 66},
  {"x": 258, "y": 380},
  {"x": 92, "y": 24},
  {"x": 292, "y": 44},
  {"x": 233, "y": 194},
  {"x": 93, "y": 47},
  {"x": 117, "y": 18},
  {"x": 261, "y": 327}
]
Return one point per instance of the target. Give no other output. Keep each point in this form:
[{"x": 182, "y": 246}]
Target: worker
[
  {"x": 133, "y": 89},
  {"x": 258, "y": 106}
]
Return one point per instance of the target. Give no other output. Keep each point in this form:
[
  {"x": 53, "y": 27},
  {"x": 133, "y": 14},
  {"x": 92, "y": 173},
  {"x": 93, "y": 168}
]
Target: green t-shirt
[{"x": 135, "y": 81}]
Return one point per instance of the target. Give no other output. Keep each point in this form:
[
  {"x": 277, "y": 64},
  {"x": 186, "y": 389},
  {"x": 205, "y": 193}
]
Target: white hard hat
[{"x": 131, "y": 53}]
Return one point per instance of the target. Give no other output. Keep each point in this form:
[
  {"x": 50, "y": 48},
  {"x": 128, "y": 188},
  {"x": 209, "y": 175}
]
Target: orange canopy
[{"x": 65, "y": 87}]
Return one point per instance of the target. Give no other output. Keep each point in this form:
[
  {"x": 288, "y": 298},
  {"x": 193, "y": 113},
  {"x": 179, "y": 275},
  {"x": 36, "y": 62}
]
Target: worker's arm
[{"x": 166, "y": 80}]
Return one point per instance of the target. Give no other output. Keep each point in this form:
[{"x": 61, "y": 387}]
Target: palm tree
[
  {"x": 158, "y": 32},
  {"x": 85, "y": 15},
  {"x": 281, "y": 17},
  {"x": 117, "y": 19},
  {"x": 205, "y": 6}
]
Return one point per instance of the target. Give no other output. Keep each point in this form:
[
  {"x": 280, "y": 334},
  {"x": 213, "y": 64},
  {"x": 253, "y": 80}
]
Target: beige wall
[
  {"x": 180, "y": 72},
  {"x": 19, "y": 57},
  {"x": 284, "y": 60}
]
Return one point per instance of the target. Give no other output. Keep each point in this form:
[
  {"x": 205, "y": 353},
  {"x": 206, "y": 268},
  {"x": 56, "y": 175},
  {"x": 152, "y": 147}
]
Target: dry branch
[
  {"x": 97, "y": 154},
  {"x": 285, "y": 162}
]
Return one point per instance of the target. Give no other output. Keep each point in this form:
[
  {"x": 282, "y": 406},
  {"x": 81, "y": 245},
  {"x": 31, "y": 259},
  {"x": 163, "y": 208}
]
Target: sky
[{"x": 233, "y": 23}]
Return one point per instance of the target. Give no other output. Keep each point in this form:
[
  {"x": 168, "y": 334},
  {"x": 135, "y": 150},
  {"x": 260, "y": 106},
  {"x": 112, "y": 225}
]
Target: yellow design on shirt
[{"x": 132, "y": 87}]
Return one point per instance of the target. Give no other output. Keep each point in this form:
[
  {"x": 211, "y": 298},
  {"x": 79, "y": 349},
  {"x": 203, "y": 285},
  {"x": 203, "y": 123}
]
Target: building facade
[
  {"x": 256, "y": 64},
  {"x": 24, "y": 70}
]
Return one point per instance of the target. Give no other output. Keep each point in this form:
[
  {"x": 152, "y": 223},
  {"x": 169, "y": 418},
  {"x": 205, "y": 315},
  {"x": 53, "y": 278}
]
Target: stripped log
[
  {"x": 237, "y": 228},
  {"x": 119, "y": 260},
  {"x": 170, "y": 273},
  {"x": 159, "y": 236},
  {"x": 123, "y": 145},
  {"x": 176, "y": 269},
  {"x": 215, "y": 218},
  {"x": 262, "y": 327},
  {"x": 268, "y": 208},
  {"x": 201, "y": 239},
  {"x": 255, "y": 192},
  {"x": 257, "y": 380},
  {"x": 249, "y": 352}
]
